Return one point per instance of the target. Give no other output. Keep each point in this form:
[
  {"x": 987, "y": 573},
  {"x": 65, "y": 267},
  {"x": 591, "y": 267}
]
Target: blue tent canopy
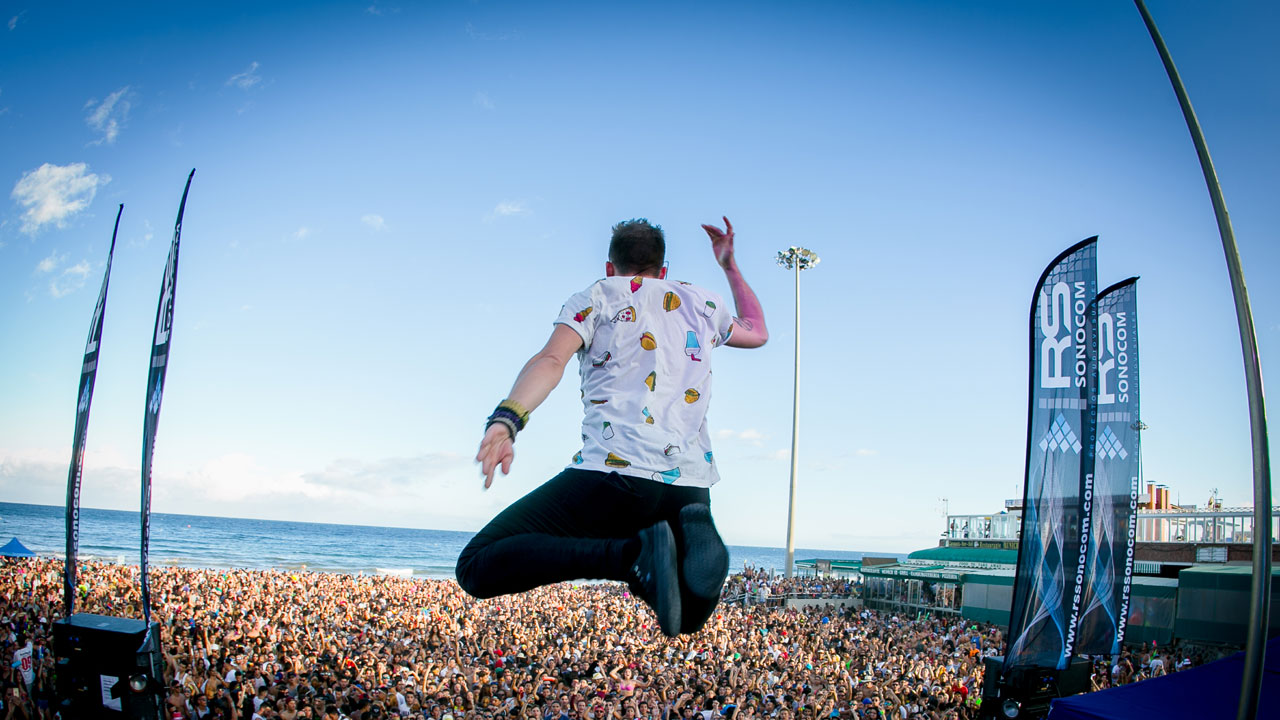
[
  {"x": 1208, "y": 692},
  {"x": 15, "y": 549}
]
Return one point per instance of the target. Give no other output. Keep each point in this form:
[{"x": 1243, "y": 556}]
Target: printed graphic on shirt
[
  {"x": 626, "y": 314},
  {"x": 600, "y": 361},
  {"x": 709, "y": 309},
  {"x": 667, "y": 476},
  {"x": 670, "y": 450},
  {"x": 607, "y": 431},
  {"x": 647, "y": 417},
  {"x": 582, "y": 314},
  {"x": 648, "y": 341},
  {"x": 670, "y": 301},
  {"x": 691, "y": 346},
  {"x": 651, "y": 380},
  {"x": 708, "y": 456},
  {"x": 614, "y": 461},
  {"x": 598, "y": 402},
  {"x": 636, "y": 282},
  {"x": 691, "y": 396},
  {"x": 577, "y": 458}
]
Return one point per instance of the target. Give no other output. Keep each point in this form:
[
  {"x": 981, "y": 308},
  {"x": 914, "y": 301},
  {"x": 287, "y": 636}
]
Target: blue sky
[{"x": 392, "y": 201}]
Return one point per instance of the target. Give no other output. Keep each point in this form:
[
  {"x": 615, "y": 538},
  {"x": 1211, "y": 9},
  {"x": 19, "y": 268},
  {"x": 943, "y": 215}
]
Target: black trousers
[{"x": 576, "y": 525}]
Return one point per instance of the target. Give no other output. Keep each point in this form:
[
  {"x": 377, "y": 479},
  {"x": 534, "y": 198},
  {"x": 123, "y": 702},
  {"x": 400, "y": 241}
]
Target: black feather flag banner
[
  {"x": 161, "y": 341},
  {"x": 84, "y": 399}
]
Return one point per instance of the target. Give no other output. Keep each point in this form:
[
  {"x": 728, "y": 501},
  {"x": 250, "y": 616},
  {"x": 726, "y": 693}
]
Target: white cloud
[
  {"x": 13, "y": 21},
  {"x": 374, "y": 221},
  {"x": 436, "y": 489},
  {"x": 238, "y": 477},
  {"x": 50, "y": 263},
  {"x": 247, "y": 79},
  {"x": 53, "y": 193},
  {"x": 388, "y": 476},
  {"x": 482, "y": 99},
  {"x": 70, "y": 280},
  {"x": 501, "y": 35},
  {"x": 107, "y": 117},
  {"x": 507, "y": 208},
  {"x": 301, "y": 233},
  {"x": 751, "y": 435},
  {"x": 148, "y": 233},
  {"x": 40, "y": 476}
]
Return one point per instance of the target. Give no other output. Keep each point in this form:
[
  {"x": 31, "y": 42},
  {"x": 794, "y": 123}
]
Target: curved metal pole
[{"x": 1260, "y": 593}]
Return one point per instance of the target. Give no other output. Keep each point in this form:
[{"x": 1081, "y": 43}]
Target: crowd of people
[
  {"x": 757, "y": 585},
  {"x": 264, "y": 644}
]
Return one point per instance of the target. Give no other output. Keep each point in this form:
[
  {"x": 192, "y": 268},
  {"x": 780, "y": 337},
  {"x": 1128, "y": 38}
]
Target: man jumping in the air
[{"x": 634, "y": 505}]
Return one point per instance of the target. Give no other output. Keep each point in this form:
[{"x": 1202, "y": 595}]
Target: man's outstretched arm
[
  {"x": 749, "y": 330},
  {"x": 534, "y": 383}
]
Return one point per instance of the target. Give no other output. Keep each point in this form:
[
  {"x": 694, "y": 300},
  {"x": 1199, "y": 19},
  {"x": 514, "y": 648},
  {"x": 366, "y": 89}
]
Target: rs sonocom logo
[
  {"x": 1060, "y": 437},
  {"x": 1113, "y": 358},
  {"x": 1063, "y": 362}
]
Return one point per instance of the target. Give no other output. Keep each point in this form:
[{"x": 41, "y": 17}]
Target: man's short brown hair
[{"x": 637, "y": 247}]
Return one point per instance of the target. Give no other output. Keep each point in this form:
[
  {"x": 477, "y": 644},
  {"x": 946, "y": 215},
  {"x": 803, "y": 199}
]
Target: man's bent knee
[{"x": 469, "y": 574}]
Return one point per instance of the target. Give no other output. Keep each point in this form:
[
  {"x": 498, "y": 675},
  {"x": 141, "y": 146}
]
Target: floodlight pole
[
  {"x": 1260, "y": 593},
  {"x": 797, "y": 259}
]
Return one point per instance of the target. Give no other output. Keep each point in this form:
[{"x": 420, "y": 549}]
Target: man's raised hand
[{"x": 721, "y": 242}]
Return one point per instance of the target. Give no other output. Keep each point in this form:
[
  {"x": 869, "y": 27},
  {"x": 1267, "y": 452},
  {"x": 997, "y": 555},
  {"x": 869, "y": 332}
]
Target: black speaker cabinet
[
  {"x": 1026, "y": 693},
  {"x": 104, "y": 670}
]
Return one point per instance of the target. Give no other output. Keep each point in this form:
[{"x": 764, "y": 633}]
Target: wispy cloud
[
  {"x": 69, "y": 280},
  {"x": 751, "y": 435},
  {"x": 148, "y": 233},
  {"x": 107, "y": 117},
  {"x": 374, "y": 221},
  {"x": 54, "y": 193},
  {"x": 482, "y": 99},
  {"x": 866, "y": 452},
  {"x": 387, "y": 474},
  {"x": 247, "y": 79},
  {"x": 506, "y": 208},
  {"x": 13, "y": 21},
  {"x": 50, "y": 263},
  {"x": 476, "y": 34},
  {"x": 379, "y": 10},
  {"x": 301, "y": 233}
]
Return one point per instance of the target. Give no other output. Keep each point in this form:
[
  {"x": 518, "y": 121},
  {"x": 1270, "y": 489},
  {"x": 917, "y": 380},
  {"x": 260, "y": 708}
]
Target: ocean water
[{"x": 213, "y": 542}]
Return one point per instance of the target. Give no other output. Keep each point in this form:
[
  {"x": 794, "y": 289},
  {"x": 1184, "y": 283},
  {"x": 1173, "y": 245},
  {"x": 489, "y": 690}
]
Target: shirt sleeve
[
  {"x": 580, "y": 312},
  {"x": 722, "y": 320}
]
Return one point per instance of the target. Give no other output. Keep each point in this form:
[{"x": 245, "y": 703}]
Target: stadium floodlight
[{"x": 795, "y": 259}]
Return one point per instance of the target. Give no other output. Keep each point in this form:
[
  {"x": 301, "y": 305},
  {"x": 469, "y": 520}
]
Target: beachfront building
[{"x": 1192, "y": 571}]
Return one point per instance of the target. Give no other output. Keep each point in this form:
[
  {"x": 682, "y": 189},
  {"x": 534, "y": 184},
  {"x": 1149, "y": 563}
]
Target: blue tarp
[
  {"x": 1208, "y": 692},
  {"x": 15, "y": 549}
]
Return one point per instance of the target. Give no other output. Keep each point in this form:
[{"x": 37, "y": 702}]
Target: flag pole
[{"x": 1260, "y": 593}]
